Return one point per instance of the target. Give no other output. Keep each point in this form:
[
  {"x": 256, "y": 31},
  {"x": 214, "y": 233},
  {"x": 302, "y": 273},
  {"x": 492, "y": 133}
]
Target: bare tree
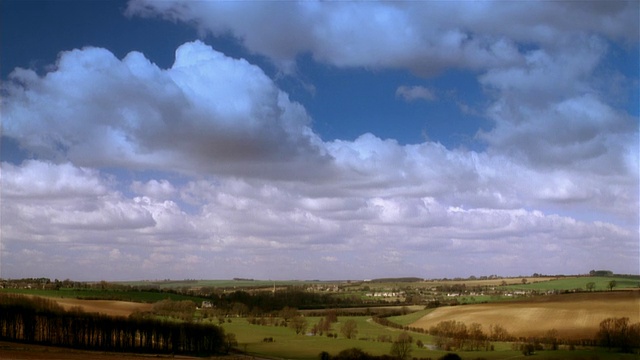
[
  {"x": 551, "y": 339},
  {"x": 498, "y": 333},
  {"x": 477, "y": 338},
  {"x": 619, "y": 333},
  {"x": 288, "y": 313},
  {"x": 401, "y": 347},
  {"x": 229, "y": 342},
  {"x": 299, "y": 324},
  {"x": 331, "y": 316},
  {"x": 349, "y": 329}
]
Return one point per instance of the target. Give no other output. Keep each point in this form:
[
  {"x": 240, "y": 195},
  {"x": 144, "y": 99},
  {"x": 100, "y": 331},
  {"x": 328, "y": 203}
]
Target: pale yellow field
[
  {"x": 107, "y": 307},
  {"x": 574, "y": 316}
]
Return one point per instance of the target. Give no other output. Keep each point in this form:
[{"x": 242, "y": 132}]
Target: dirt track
[{"x": 573, "y": 315}]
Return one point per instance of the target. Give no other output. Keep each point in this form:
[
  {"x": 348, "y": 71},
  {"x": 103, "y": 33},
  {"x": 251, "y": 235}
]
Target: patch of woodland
[{"x": 41, "y": 321}]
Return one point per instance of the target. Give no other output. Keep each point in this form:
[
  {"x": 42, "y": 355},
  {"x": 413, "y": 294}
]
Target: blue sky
[{"x": 283, "y": 140}]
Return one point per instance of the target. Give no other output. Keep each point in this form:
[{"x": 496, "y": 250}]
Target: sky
[{"x": 318, "y": 140}]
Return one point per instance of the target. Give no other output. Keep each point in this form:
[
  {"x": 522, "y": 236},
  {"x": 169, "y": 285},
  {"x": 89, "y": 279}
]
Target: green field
[
  {"x": 580, "y": 283},
  {"x": 288, "y": 345},
  {"x": 409, "y": 318}
]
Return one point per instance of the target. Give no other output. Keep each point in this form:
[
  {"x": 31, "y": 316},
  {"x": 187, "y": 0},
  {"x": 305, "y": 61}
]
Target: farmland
[
  {"x": 600, "y": 283},
  {"x": 525, "y": 307},
  {"x": 107, "y": 307},
  {"x": 574, "y": 316},
  {"x": 99, "y": 294}
]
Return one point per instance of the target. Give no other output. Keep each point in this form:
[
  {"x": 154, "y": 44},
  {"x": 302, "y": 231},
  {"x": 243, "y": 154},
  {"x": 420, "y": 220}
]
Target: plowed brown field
[{"x": 574, "y": 316}]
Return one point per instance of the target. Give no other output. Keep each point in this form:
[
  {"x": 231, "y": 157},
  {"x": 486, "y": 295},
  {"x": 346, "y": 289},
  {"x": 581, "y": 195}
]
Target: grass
[
  {"x": 409, "y": 318},
  {"x": 288, "y": 345},
  {"x": 579, "y": 283}
]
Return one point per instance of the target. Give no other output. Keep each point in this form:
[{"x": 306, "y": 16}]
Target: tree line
[
  {"x": 619, "y": 333},
  {"x": 614, "y": 333},
  {"x": 42, "y": 321}
]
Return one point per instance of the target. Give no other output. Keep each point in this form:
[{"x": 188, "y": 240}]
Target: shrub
[
  {"x": 450, "y": 356},
  {"x": 527, "y": 349}
]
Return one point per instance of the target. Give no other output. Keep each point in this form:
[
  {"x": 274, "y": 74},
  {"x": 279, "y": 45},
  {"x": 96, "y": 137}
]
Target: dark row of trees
[
  {"x": 267, "y": 301},
  {"x": 619, "y": 333},
  {"x": 38, "y": 321},
  {"x": 450, "y": 335},
  {"x": 457, "y": 335},
  {"x": 614, "y": 333},
  {"x": 359, "y": 354},
  {"x": 181, "y": 310}
]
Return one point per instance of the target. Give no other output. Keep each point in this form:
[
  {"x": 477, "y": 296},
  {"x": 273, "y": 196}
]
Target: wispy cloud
[{"x": 411, "y": 93}]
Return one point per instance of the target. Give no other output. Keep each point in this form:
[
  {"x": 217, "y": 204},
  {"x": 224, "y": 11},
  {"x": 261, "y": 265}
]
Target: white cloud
[
  {"x": 533, "y": 63},
  {"x": 162, "y": 189},
  {"x": 269, "y": 223},
  {"x": 207, "y": 113},
  {"x": 579, "y": 132},
  {"x": 424, "y": 37},
  {"x": 411, "y": 93},
  {"x": 555, "y": 191},
  {"x": 42, "y": 180},
  {"x": 39, "y": 197}
]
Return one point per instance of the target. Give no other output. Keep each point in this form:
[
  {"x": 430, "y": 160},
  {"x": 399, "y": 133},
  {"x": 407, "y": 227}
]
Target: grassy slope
[
  {"x": 410, "y": 318},
  {"x": 573, "y": 283},
  {"x": 291, "y": 346}
]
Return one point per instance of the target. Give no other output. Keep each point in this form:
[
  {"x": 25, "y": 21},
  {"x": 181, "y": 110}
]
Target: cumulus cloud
[
  {"x": 425, "y": 38},
  {"x": 40, "y": 196},
  {"x": 207, "y": 112},
  {"x": 353, "y": 228},
  {"x": 534, "y": 64},
  {"x": 42, "y": 180},
  {"x": 342, "y": 34},
  {"x": 555, "y": 188},
  {"x": 551, "y": 112}
]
